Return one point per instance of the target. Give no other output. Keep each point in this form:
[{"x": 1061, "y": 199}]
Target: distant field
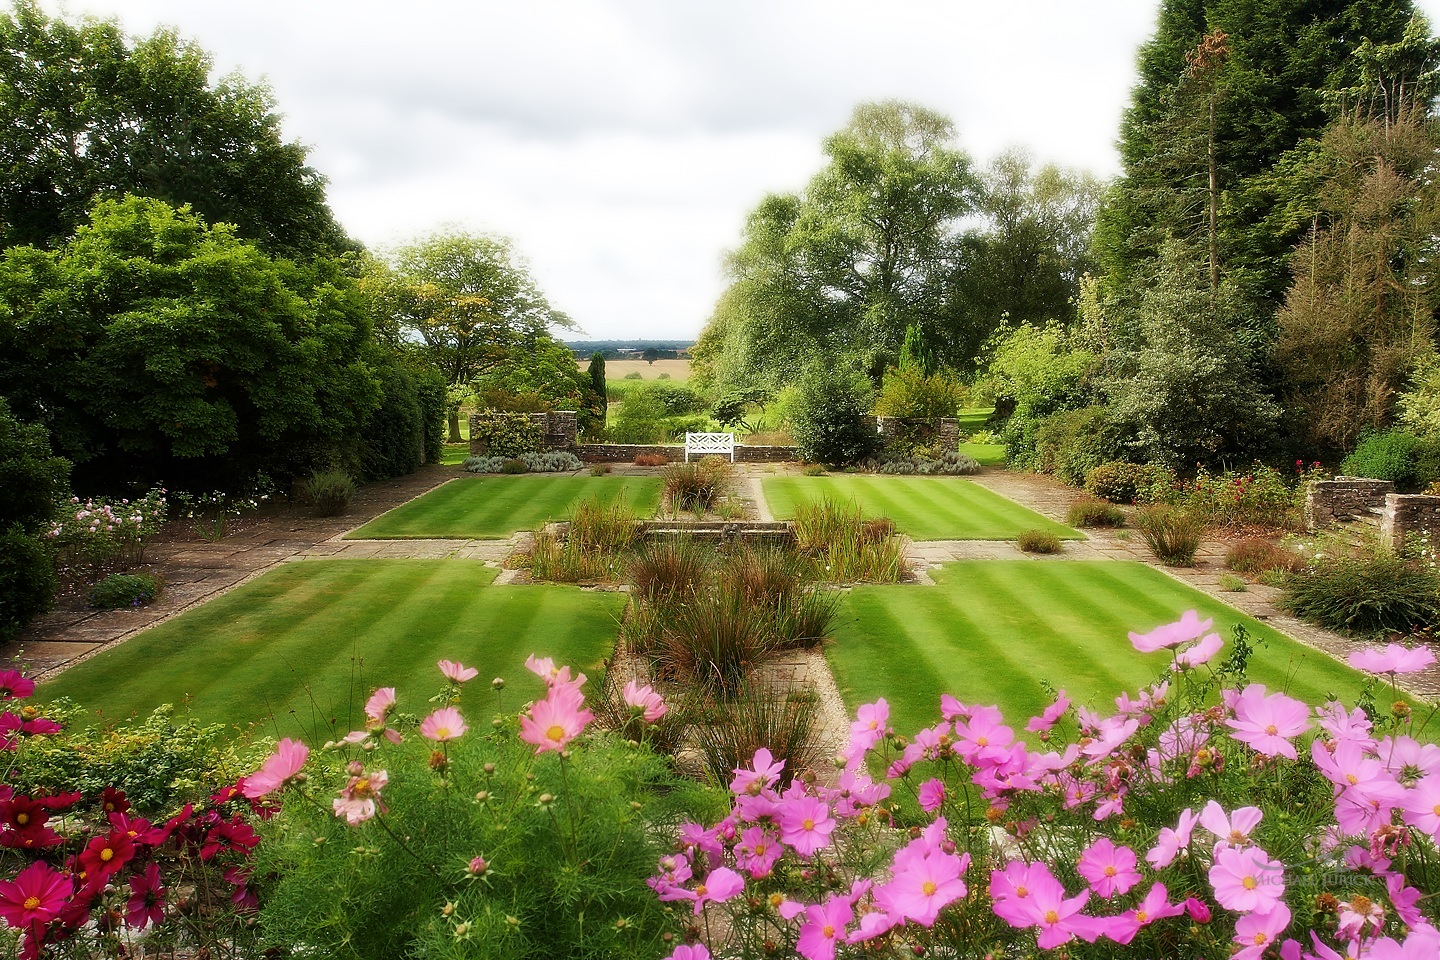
[{"x": 617, "y": 369}]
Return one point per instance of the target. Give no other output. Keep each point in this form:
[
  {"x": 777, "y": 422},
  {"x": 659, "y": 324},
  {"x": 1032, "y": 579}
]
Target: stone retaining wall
[
  {"x": 1409, "y": 518},
  {"x": 1329, "y": 501},
  {"x": 945, "y": 430}
]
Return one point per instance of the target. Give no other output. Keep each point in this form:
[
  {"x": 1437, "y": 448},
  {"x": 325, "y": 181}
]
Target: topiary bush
[
  {"x": 1410, "y": 462},
  {"x": 829, "y": 418},
  {"x": 507, "y": 435}
]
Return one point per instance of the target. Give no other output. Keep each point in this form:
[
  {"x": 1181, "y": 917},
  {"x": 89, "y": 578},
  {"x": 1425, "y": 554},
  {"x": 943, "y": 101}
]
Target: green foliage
[
  {"x": 101, "y": 533},
  {"x": 641, "y": 417},
  {"x": 329, "y": 492},
  {"x": 1419, "y": 403},
  {"x": 1229, "y": 583},
  {"x": 730, "y": 409},
  {"x": 1072, "y": 443},
  {"x": 1366, "y": 595},
  {"x": 567, "y": 845},
  {"x": 505, "y": 434},
  {"x": 27, "y": 581},
  {"x": 1121, "y": 482},
  {"x": 89, "y": 113},
  {"x": 1037, "y": 541},
  {"x": 829, "y": 419},
  {"x": 514, "y": 466},
  {"x": 1259, "y": 496},
  {"x": 393, "y": 436},
  {"x": 160, "y": 761},
  {"x": 1032, "y": 372},
  {"x": 552, "y": 461},
  {"x": 908, "y": 391},
  {"x": 734, "y": 727},
  {"x": 1403, "y": 458},
  {"x": 124, "y": 590},
  {"x": 923, "y": 462},
  {"x": 1094, "y": 512},
  {"x": 432, "y": 397},
  {"x": 159, "y": 350},
  {"x": 1172, "y": 534},
  {"x": 32, "y": 477}
]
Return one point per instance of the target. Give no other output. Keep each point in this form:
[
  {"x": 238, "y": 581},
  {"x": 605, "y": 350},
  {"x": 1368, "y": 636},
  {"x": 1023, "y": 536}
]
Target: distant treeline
[{"x": 632, "y": 349}]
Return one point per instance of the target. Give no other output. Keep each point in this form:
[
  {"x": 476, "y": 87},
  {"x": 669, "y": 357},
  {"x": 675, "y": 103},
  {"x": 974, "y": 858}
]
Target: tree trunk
[{"x": 455, "y": 426}]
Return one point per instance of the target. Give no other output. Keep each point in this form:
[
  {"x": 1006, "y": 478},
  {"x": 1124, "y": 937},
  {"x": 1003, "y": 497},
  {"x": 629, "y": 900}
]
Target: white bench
[{"x": 706, "y": 444}]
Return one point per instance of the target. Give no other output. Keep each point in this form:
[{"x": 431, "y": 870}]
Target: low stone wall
[
  {"x": 627, "y": 452},
  {"x": 1409, "y": 518},
  {"x": 946, "y": 430},
  {"x": 1329, "y": 501}
]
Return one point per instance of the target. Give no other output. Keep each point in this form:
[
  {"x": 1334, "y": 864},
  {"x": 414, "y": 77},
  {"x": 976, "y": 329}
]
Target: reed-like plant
[
  {"x": 668, "y": 568},
  {"x": 1173, "y": 535},
  {"x": 714, "y": 641},
  {"x": 732, "y": 728}
]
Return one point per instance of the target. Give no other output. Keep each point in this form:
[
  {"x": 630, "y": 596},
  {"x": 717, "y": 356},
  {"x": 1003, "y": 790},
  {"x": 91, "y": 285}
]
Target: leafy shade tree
[
  {"x": 87, "y": 113},
  {"x": 1362, "y": 308},
  {"x": 829, "y": 417},
  {"x": 1034, "y": 371},
  {"x": 1025, "y": 262},
  {"x": 158, "y": 349},
  {"x": 843, "y": 269},
  {"x": 33, "y": 480},
  {"x": 539, "y": 375},
  {"x": 466, "y": 302}
]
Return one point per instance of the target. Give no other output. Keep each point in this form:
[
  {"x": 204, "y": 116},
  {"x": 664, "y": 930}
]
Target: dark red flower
[
  {"x": 22, "y": 824},
  {"x": 105, "y": 855},
  {"x": 113, "y": 801},
  {"x": 147, "y": 898}
]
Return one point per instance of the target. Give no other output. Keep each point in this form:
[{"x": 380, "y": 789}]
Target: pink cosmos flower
[
  {"x": 278, "y": 769},
  {"x": 1170, "y": 842},
  {"x": 805, "y": 824},
  {"x": 824, "y": 927},
  {"x": 546, "y": 670},
  {"x": 1231, "y": 829},
  {"x": 1393, "y": 659},
  {"x": 1267, "y": 722},
  {"x": 932, "y": 795},
  {"x": 757, "y": 852},
  {"x": 926, "y": 880},
  {"x": 1188, "y": 627},
  {"x": 556, "y": 720},
  {"x": 1256, "y": 931},
  {"x": 1422, "y": 805},
  {"x": 764, "y": 771},
  {"x": 1155, "y": 906},
  {"x": 1050, "y": 715},
  {"x": 360, "y": 798},
  {"x": 872, "y": 722},
  {"x": 1200, "y": 653},
  {"x": 443, "y": 725},
  {"x": 644, "y": 699},
  {"x": 720, "y": 885},
  {"x": 698, "y": 952},
  {"x": 147, "y": 898},
  {"x": 35, "y": 897},
  {"x": 457, "y": 672},
  {"x": 1247, "y": 880},
  {"x": 379, "y": 704},
  {"x": 1109, "y": 869},
  {"x": 1360, "y": 918}
]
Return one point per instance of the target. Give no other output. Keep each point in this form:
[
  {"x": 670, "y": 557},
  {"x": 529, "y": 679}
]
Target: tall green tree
[
  {"x": 847, "y": 266},
  {"x": 156, "y": 348},
  {"x": 88, "y": 113},
  {"x": 1206, "y": 125}
]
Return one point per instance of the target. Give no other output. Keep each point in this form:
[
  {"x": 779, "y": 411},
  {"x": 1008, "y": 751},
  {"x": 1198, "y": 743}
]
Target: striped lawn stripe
[
  {"x": 306, "y": 643},
  {"x": 924, "y": 508},
  {"x": 991, "y": 631},
  {"x": 494, "y": 507}
]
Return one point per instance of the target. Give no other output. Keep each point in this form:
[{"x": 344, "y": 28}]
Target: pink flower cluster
[
  {"x": 559, "y": 718},
  {"x": 1386, "y": 791}
]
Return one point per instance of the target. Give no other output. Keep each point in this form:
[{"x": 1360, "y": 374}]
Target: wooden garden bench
[{"x": 705, "y": 444}]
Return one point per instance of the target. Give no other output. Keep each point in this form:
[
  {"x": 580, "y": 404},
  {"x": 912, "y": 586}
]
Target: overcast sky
[{"x": 621, "y": 143}]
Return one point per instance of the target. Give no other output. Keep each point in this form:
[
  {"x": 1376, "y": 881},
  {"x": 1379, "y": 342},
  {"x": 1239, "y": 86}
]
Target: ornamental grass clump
[
  {"x": 714, "y": 641},
  {"x": 1037, "y": 541},
  {"x": 1257, "y": 555},
  {"x": 669, "y": 568},
  {"x": 445, "y": 837},
  {"x": 1091, "y": 511},
  {"x": 1365, "y": 595},
  {"x": 843, "y": 547},
  {"x": 696, "y": 487},
  {"x": 328, "y": 492},
  {"x": 1183, "y": 822},
  {"x": 730, "y": 731},
  {"x": 1172, "y": 534}
]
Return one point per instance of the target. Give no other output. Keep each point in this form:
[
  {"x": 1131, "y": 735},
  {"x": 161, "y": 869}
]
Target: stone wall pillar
[
  {"x": 1410, "y": 520},
  {"x": 1328, "y": 501}
]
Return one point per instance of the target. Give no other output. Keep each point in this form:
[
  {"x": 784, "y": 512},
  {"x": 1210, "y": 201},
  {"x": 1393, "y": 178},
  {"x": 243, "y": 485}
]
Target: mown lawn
[
  {"x": 985, "y": 454},
  {"x": 305, "y": 644},
  {"x": 924, "y": 508},
  {"x": 494, "y": 507},
  {"x": 993, "y": 631}
]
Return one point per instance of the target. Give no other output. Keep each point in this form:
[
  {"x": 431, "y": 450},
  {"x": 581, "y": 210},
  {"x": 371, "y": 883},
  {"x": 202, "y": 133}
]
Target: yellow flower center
[
  {"x": 827, "y": 931},
  {"x": 443, "y": 733},
  {"x": 1109, "y": 871},
  {"x": 1249, "y": 883},
  {"x": 807, "y": 824},
  {"x": 1021, "y": 892},
  {"x": 1141, "y": 916},
  {"x": 22, "y": 818},
  {"x": 982, "y": 741},
  {"x": 700, "y": 891},
  {"x": 1260, "y": 939},
  {"x": 32, "y": 903},
  {"x": 759, "y": 849},
  {"x": 928, "y": 888},
  {"x": 107, "y": 854},
  {"x": 362, "y": 787},
  {"x": 1051, "y": 916},
  {"x": 1352, "y": 778},
  {"x": 556, "y": 732},
  {"x": 1360, "y": 904},
  {"x": 1271, "y": 730}
]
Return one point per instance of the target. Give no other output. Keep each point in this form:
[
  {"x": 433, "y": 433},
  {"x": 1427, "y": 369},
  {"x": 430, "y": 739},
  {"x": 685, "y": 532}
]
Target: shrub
[
  {"x": 949, "y": 463},
  {"x": 1120, "y": 482},
  {"x": 813, "y": 470},
  {"x": 101, "y": 532},
  {"x": 568, "y": 561},
  {"x": 1260, "y": 496},
  {"x": 1410, "y": 462},
  {"x": 641, "y": 418},
  {"x": 329, "y": 492},
  {"x": 1094, "y": 512},
  {"x": 27, "y": 581},
  {"x": 551, "y": 461},
  {"x": 1037, "y": 541},
  {"x": 651, "y": 460},
  {"x": 1256, "y": 555},
  {"x": 1365, "y": 595},
  {"x": 1071, "y": 443},
  {"x": 633, "y": 375},
  {"x": 603, "y": 526},
  {"x": 1229, "y": 583},
  {"x": 502, "y": 434},
  {"x": 514, "y": 465},
  {"x": 829, "y": 418},
  {"x": 124, "y": 590},
  {"x": 600, "y": 470},
  {"x": 910, "y": 392},
  {"x": 393, "y": 437},
  {"x": 1173, "y": 535},
  {"x": 807, "y": 618}
]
